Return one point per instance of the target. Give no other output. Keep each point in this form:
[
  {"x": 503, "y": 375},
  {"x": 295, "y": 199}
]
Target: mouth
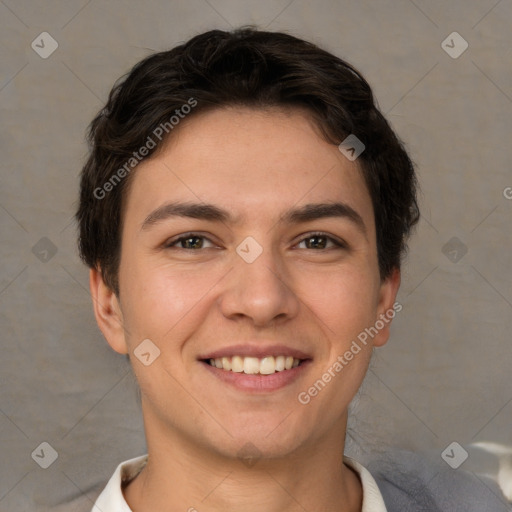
[
  {"x": 256, "y": 368},
  {"x": 267, "y": 365}
]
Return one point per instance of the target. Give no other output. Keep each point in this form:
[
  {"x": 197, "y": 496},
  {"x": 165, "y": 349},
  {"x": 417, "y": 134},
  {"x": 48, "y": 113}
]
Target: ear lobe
[
  {"x": 107, "y": 312},
  {"x": 387, "y": 307}
]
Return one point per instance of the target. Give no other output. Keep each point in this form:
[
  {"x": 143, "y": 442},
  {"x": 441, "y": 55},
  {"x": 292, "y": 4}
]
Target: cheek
[
  {"x": 345, "y": 303},
  {"x": 345, "y": 300},
  {"x": 165, "y": 306},
  {"x": 164, "y": 300}
]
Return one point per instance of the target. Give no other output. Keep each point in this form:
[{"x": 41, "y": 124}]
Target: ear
[
  {"x": 387, "y": 307},
  {"x": 107, "y": 311}
]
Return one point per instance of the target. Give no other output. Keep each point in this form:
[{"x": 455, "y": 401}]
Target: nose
[{"x": 259, "y": 291}]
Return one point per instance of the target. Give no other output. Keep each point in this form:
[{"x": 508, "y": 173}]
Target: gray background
[{"x": 445, "y": 374}]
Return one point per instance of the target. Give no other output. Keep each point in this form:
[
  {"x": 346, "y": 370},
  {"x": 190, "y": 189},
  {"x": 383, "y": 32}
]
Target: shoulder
[
  {"x": 411, "y": 482},
  {"x": 106, "y": 496}
]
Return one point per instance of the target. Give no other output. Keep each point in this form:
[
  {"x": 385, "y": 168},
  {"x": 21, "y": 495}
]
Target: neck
[{"x": 180, "y": 475}]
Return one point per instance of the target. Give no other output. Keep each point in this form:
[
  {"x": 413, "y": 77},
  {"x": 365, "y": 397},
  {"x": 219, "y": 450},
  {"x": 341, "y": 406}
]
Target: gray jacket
[{"x": 409, "y": 482}]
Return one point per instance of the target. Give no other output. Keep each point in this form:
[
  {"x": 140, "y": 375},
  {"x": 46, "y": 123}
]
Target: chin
[{"x": 273, "y": 437}]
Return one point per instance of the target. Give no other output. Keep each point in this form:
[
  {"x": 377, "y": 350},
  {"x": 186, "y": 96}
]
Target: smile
[{"x": 254, "y": 365}]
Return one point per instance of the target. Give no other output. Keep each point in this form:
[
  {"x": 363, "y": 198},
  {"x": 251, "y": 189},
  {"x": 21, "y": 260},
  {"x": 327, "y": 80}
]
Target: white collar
[
  {"x": 112, "y": 500},
  {"x": 372, "y": 498}
]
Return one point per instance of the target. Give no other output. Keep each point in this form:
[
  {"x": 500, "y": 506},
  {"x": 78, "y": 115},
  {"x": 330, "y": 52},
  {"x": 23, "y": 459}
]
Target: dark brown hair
[{"x": 245, "y": 67}]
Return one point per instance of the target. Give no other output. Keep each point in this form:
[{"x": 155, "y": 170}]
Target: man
[{"x": 244, "y": 211}]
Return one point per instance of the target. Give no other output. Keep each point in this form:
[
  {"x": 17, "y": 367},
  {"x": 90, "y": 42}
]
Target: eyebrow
[
  {"x": 315, "y": 211},
  {"x": 210, "y": 212},
  {"x": 192, "y": 210}
]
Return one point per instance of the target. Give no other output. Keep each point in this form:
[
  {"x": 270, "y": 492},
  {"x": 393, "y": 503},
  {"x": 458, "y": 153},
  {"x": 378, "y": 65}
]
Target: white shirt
[{"x": 111, "y": 498}]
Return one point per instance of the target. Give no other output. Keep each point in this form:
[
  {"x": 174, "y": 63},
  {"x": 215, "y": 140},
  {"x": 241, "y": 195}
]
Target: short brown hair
[{"x": 244, "y": 67}]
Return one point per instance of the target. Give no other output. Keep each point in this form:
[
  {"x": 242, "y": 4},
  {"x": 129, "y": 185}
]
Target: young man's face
[{"x": 230, "y": 184}]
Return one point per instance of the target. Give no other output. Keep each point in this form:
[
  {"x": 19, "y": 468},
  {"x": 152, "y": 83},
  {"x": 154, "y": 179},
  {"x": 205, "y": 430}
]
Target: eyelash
[
  {"x": 339, "y": 244},
  {"x": 172, "y": 243}
]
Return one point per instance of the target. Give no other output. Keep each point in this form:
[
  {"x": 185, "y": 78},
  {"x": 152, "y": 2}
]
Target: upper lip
[{"x": 258, "y": 351}]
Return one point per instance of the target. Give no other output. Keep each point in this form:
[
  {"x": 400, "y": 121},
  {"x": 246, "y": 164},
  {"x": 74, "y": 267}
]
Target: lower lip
[{"x": 258, "y": 383}]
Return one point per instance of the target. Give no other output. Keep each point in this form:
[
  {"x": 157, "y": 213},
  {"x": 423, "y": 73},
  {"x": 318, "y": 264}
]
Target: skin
[{"x": 256, "y": 165}]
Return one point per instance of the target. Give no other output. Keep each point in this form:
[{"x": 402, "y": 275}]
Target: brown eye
[
  {"x": 190, "y": 241},
  {"x": 319, "y": 241},
  {"x": 316, "y": 242}
]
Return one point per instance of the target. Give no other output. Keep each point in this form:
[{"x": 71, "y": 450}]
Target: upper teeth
[{"x": 253, "y": 365}]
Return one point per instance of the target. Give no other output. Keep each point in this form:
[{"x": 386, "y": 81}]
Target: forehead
[{"x": 242, "y": 159}]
